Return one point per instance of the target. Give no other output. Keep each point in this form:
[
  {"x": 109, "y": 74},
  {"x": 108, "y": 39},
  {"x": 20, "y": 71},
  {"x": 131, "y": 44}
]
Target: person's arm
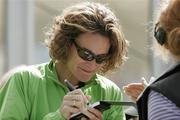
[{"x": 15, "y": 100}]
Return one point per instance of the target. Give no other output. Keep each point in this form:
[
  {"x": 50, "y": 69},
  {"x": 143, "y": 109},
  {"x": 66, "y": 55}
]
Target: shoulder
[
  {"x": 166, "y": 81},
  {"x": 164, "y": 86},
  {"x": 169, "y": 77},
  {"x": 159, "y": 105},
  {"x": 33, "y": 71},
  {"x": 24, "y": 74}
]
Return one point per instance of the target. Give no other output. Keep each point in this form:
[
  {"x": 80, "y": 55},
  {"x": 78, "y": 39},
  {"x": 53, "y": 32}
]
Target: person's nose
[{"x": 93, "y": 64}]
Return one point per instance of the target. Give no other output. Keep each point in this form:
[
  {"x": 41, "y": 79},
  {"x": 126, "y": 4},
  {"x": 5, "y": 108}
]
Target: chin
[{"x": 85, "y": 78}]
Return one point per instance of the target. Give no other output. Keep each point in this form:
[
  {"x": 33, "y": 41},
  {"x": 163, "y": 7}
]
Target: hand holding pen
[
  {"x": 73, "y": 102},
  {"x": 88, "y": 112},
  {"x": 72, "y": 88}
]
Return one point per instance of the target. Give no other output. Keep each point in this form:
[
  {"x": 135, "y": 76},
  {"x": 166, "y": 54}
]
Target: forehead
[{"x": 95, "y": 42}]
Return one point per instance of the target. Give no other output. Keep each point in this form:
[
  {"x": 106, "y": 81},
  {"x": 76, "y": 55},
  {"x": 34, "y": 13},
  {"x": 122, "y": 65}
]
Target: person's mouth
[{"x": 87, "y": 71}]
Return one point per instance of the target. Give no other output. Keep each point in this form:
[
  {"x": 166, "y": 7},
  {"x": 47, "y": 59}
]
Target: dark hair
[{"x": 83, "y": 18}]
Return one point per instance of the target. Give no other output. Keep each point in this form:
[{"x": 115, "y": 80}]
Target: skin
[
  {"x": 133, "y": 90},
  {"x": 76, "y": 69}
]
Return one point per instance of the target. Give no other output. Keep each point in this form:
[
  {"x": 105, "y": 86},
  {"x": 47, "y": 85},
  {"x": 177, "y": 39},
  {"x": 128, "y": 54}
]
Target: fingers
[
  {"x": 93, "y": 114},
  {"x": 73, "y": 97},
  {"x": 75, "y": 101},
  {"x": 134, "y": 95},
  {"x": 135, "y": 86},
  {"x": 133, "y": 90},
  {"x": 71, "y": 109},
  {"x": 67, "y": 111},
  {"x": 79, "y": 92},
  {"x": 134, "y": 98}
]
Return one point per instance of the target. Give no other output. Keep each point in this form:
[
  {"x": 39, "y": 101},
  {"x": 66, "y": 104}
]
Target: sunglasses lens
[
  {"x": 85, "y": 55},
  {"x": 101, "y": 59}
]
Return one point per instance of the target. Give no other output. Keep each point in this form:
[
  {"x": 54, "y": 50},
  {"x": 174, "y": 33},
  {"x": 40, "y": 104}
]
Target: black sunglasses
[{"x": 87, "y": 55}]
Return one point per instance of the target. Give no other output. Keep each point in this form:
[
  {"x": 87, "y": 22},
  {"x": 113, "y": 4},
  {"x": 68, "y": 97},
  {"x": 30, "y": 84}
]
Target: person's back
[{"x": 160, "y": 100}]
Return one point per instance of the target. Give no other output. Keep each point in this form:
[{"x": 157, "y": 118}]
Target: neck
[{"x": 64, "y": 73}]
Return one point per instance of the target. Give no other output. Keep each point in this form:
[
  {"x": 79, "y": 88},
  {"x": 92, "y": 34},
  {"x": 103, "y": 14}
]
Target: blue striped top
[{"x": 161, "y": 108}]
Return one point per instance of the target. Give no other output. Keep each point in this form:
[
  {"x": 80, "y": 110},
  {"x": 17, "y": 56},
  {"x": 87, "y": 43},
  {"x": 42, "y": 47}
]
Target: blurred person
[
  {"x": 161, "y": 100},
  {"x": 85, "y": 42}
]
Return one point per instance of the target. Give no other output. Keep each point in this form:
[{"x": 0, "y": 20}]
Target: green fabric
[{"x": 35, "y": 93}]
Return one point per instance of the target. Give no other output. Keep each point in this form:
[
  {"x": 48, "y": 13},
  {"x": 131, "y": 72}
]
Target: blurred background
[{"x": 23, "y": 24}]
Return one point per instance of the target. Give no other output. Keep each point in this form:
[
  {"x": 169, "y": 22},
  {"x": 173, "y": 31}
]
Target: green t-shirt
[{"x": 35, "y": 93}]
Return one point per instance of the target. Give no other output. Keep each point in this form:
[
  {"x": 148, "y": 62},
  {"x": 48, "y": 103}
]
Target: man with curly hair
[{"x": 85, "y": 42}]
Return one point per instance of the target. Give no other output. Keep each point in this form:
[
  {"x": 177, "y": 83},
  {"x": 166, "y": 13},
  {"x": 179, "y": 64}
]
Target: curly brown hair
[{"x": 83, "y": 18}]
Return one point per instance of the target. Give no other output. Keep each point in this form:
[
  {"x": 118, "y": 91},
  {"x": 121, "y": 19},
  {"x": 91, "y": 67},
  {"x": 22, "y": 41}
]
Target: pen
[{"x": 69, "y": 85}]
